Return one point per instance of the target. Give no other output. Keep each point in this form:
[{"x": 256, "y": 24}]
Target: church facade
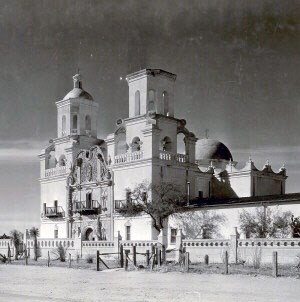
[{"x": 85, "y": 179}]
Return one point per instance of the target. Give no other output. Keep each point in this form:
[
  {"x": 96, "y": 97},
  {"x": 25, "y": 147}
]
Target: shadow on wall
[{"x": 222, "y": 188}]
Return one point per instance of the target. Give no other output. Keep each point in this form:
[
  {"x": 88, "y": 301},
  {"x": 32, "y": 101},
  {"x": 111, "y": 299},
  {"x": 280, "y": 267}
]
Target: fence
[{"x": 241, "y": 250}]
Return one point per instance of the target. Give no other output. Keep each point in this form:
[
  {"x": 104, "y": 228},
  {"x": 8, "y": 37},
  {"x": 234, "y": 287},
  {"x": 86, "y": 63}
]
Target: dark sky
[{"x": 237, "y": 64}]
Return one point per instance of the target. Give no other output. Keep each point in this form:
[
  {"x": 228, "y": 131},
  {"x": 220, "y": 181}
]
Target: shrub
[
  {"x": 3, "y": 258},
  {"x": 89, "y": 259},
  {"x": 60, "y": 252}
]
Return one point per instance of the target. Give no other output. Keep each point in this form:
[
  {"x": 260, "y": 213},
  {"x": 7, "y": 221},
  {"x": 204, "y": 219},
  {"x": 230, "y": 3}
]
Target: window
[
  {"x": 136, "y": 144},
  {"x": 74, "y": 126},
  {"x": 88, "y": 123},
  {"x": 166, "y": 103},
  {"x": 88, "y": 200},
  {"x": 151, "y": 98},
  {"x": 200, "y": 194},
  {"x": 128, "y": 196},
  {"x": 127, "y": 228},
  {"x": 63, "y": 125},
  {"x": 173, "y": 235},
  {"x": 55, "y": 234},
  {"x": 166, "y": 144},
  {"x": 137, "y": 104}
]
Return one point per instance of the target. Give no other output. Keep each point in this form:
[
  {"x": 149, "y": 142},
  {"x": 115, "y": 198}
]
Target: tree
[
  {"x": 159, "y": 201},
  {"x": 295, "y": 225},
  {"x": 263, "y": 223},
  {"x": 204, "y": 224},
  {"x": 99, "y": 228},
  {"x": 34, "y": 233},
  {"x": 16, "y": 237}
]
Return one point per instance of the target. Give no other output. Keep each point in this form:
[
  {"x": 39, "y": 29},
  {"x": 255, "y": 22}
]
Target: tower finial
[
  {"x": 77, "y": 80},
  {"x": 206, "y": 133}
]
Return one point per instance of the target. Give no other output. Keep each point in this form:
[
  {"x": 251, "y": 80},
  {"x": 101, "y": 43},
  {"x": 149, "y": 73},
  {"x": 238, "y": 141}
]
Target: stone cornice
[
  {"x": 150, "y": 72},
  {"x": 72, "y": 101}
]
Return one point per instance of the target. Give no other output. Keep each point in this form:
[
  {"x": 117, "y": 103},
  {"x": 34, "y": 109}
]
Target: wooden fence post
[
  {"x": 163, "y": 256},
  {"x": 159, "y": 257},
  {"x": 156, "y": 254},
  {"x": 275, "y": 264},
  {"x": 206, "y": 259},
  {"x": 226, "y": 262},
  {"x": 126, "y": 260},
  {"x": 153, "y": 260},
  {"x": 97, "y": 261},
  {"x": 8, "y": 253},
  {"x": 26, "y": 257},
  {"x": 186, "y": 261},
  {"x": 121, "y": 256},
  {"x": 70, "y": 260},
  {"x": 48, "y": 260},
  {"x": 147, "y": 257},
  {"x": 134, "y": 255},
  {"x": 152, "y": 249}
]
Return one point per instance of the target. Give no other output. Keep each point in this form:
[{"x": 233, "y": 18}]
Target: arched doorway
[{"x": 89, "y": 234}]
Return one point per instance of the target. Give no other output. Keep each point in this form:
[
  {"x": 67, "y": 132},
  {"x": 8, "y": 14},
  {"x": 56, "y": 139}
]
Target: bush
[
  {"x": 60, "y": 252},
  {"x": 89, "y": 259},
  {"x": 3, "y": 258}
]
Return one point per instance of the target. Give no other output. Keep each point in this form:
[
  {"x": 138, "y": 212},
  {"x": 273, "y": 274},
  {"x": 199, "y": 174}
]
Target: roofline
[
  {"x": 257, "y": 201},
  {"x": 150, "y": 72}
]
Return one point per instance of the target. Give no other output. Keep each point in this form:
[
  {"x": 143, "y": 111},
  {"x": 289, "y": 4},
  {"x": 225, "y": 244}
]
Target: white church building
[{"x": 85, "y": 179}]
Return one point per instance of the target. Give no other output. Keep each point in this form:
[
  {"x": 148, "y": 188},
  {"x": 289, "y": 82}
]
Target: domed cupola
[
  {"x": 77, "y": 112},
  {"x": 212, "y": 152},
  {"x": 77, "y": 92}
]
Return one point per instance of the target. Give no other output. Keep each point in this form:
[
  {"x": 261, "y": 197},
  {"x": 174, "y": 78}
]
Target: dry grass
[{"x": 198, "y": 268}]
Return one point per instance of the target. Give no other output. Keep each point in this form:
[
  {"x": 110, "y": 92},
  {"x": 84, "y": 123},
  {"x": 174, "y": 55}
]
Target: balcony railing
[
  {"x": 87, "y": 207},
  {"x": 181, "y": 158},
  {"x": 74, "y": 132},
  {"x": 119, "y": 204},
  {"x": 55, "y": 171},
  {"x": 53, "y": 212},
  {"x": 128, "y": 157}
]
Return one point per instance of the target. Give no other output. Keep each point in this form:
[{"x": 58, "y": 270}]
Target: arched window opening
[
  {"x": 166, "y": 103},
  {"x": 88, "y": 123},
  {"x": 121, "y": 145},
  {"x": 63, "y": 125},
  {"x": 137, "y": 103},
  {"x": 74, "y": 123},
  {"x": 62, "y": 161},
  {"x": 136, "y": 144},
  {"x": 51, "y": 160},
  {"x": 180, "y": 143},
  {"x": 151, "y": 98},
  {"x": 89, "y": 200},
  {"x": 166, "y": 144}
]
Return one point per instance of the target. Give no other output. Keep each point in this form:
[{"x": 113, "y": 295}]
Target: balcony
[
  {"x": 128, "y": 157},
  {"x": 55, "y": 171},
  {"x": 168, "y": 156},
  {"x": 87, "y": 207},
  {"x": 74, "y": 132},
  {"x": 53, "y": 212},
  {"x": 119, "y": 204}
]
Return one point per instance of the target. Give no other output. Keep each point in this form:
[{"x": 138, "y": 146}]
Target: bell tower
[{"x": 151, "y": 90}]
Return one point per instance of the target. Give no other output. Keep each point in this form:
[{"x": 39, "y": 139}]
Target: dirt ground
[{"x": 34, "y": 283}]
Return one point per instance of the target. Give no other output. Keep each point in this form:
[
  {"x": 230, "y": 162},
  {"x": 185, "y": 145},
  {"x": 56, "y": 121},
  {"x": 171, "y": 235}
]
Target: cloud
[{"x": 27, "y": 150}]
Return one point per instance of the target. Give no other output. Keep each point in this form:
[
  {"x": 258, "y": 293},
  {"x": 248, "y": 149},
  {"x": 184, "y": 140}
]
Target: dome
[
  {"x": 78, "y": 93},
  {"x": 207, "y": 149}
]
